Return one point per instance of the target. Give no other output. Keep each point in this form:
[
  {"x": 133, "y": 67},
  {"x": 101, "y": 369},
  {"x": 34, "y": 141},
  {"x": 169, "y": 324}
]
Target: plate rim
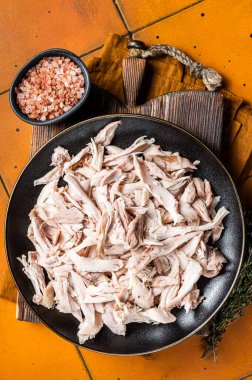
[{"x": 165, "y": 122}]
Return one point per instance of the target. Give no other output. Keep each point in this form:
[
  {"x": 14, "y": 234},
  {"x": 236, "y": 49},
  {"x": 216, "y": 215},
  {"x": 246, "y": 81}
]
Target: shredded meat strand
[{"x": 126, "y": 239}]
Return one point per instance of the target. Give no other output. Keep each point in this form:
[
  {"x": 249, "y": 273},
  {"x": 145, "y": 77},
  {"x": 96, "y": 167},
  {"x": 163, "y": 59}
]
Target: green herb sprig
[{"x": 238, "y": 301}]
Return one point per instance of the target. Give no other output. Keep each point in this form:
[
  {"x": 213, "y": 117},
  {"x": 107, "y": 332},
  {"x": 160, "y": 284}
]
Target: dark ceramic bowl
[{"x": 33, "y": 61}]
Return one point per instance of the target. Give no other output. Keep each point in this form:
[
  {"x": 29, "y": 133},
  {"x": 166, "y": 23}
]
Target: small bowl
[{"x": 33, "y": 61}]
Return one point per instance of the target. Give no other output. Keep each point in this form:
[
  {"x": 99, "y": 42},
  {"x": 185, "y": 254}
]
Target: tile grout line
[
  {"x": 4, "y": 92},
  {"x": 90, "y": 52},
  {"x": 80, "y": 56},
  {"x": 246, "y": 377},
  {"x": 167, "y": 16},
  {"x": 84, "y": 362},
  {"x": 4, "y": 186},
  {"x": 122, "y": 17},
  {"x": 131, "y": 32}
]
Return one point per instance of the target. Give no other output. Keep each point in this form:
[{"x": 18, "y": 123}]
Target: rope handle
[{"x": 210, "y": 77}]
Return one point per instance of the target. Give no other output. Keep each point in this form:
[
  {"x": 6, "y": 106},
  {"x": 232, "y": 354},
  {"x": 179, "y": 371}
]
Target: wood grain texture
[
  {"x": 40, "y": 135},
  {"x": 198, "y": 112},
  {"x": 35, "y": 350},
  {"x": 133, "y": 74},
  {"x": 23, "y": 312}
]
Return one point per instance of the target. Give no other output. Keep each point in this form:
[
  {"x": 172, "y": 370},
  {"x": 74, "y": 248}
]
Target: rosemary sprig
[{"x": 239, "y": 299}]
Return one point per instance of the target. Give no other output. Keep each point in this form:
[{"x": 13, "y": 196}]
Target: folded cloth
[{"x": 168, "y": 75}]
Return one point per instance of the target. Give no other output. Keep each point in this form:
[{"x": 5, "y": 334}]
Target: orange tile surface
[
  {"x": 15, "y": 139},
  {"x": 14, "y": 144},
  {"x": 218, "y": 35},
  {"x": 182, "y": 362},
  {"x": 143, "y": 12},
  {"x": 27, "y": 27},
  {"x": 6, "y": 283},
  {"x": 31, "y": 351},
  {"x": 3, "y": 204}
]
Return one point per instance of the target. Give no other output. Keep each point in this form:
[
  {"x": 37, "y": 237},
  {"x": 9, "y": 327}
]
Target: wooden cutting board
[{"x": 199, "y": 112}]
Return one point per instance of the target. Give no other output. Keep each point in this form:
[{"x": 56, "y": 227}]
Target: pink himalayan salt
[{"x": 50, "y": 88}]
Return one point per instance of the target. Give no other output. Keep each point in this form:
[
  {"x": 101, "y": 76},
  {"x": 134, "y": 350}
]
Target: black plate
[{"x": 140, "y": 338}]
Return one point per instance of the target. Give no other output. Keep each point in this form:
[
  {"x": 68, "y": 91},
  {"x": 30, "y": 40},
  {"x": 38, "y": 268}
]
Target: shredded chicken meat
[{"x": 126, "y": 238}]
